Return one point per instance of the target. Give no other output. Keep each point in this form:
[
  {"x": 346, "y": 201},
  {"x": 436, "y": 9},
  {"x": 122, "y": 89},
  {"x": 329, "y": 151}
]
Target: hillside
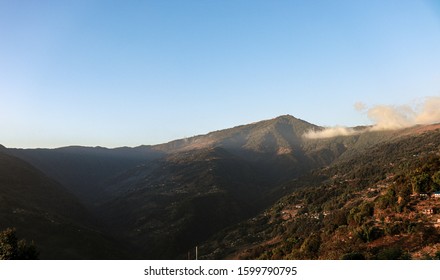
[
  {"x": 174, "y": 203},
  {"x": 377, "y": 204},
  {"x": 204, "y": 184},
  {"x": 43, "y": 211}
]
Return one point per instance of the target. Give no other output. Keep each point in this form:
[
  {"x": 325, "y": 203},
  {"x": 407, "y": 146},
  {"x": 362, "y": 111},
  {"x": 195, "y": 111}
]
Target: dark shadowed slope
[
  {"x": 83, "y": 169},
  {"x": 42, "y": 210}
]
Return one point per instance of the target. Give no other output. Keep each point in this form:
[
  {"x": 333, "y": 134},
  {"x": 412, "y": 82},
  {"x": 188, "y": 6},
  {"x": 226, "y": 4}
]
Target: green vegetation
[{"x": 367, "y": 207}]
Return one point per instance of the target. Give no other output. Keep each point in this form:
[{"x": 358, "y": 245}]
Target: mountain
[
  {"x": 209, "y": 182},
  {"x": 280, "y": 135},
  {"x": 43, "y": 211},
  {"x": 373, "y": 204},
  {"x": 160, "y": 201},
  {"x": 134, "y": 190},
  {"x": 86, "y": 171},
  {"x": 204, "y": 184}
]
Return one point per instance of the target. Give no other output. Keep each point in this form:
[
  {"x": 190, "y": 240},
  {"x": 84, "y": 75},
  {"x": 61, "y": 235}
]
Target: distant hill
[{"x": 82, "y": 170}]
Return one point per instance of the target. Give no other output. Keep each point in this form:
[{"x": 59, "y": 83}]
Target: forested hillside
[{"x": 379, "y": 204}]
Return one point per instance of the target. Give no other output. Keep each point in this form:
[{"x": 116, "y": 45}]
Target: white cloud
[
  {"x": 430, "y": 112},
  {"x": 330, "y": 132},
  {"x": 387, "y": 117},
  {"x": 391, "y": 117}
]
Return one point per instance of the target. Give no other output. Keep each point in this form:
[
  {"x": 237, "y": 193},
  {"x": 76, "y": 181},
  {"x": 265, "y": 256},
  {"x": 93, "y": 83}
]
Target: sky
[{"x": 129, "y": 73}]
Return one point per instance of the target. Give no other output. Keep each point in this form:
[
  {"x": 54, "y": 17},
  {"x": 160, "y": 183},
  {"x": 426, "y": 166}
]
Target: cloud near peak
[
  {"x": 387, "y": 117},
  {"x": 330, "y": 132}
]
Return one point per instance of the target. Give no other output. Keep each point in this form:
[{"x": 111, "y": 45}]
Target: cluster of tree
[
  {"x": 426, "y": 179},
  {"x": 412, "y": 179},
  {"x": 351, "y": 222},
  {"x": 11, "y": 248}
]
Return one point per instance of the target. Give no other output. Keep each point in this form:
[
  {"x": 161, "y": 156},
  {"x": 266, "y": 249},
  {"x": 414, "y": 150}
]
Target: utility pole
[{"x": 197, "y": 252}]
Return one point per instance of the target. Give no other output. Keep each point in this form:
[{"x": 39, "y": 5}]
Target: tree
[
  {"x": 368, "y": 232},
  {"x": 421, "y": 183},
  {"x": 311, "y": 245},
  {"x": 358, "y": 215},
  {"x": 13, "y": 249},
  {"x": 436, "y": 178}
]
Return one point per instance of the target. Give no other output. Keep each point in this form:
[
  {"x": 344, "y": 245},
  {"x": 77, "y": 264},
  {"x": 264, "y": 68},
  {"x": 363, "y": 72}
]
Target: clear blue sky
[{"x": 126, "y": 73}]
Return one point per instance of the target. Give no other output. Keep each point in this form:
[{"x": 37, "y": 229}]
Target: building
[
  {"x": 428, "y": 211},
  {"x": 423, "y": 195}
]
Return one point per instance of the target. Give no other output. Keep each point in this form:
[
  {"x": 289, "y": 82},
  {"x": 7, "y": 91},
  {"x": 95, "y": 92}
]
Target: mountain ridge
[
  {"x": 166, "y": 198},
  {"x": 235, "y": 136}
]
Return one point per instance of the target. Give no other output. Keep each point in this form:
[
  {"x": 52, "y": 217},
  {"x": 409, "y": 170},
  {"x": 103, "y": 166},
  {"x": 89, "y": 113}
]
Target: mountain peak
[
  {"x": 281, "y": 135},
  {"x": 278, "y": 134},
  {"x": 291, "y": 119},
  {"x": 286, "y": 117}
]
